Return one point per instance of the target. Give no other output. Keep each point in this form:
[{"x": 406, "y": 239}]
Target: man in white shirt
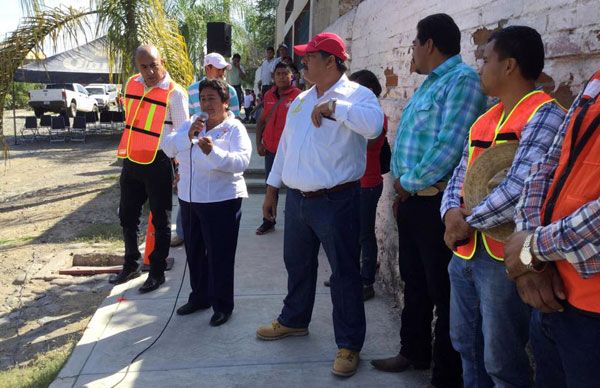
[
  {"x": 266, "y": 71},
  {"x": 320, "y": 158}
]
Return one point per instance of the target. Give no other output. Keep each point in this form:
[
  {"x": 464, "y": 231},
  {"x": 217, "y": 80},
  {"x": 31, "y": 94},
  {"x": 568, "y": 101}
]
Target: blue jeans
[
  {"x": 489, "y": 324},
  {"x": 331, "y": 220},
  {"x": 369, "y": 197},
  {"x": 566, "y": 347}
]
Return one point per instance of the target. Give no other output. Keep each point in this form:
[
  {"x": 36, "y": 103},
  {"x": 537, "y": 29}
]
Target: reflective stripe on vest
[
  {"x": 576, "y": 182},
  {"x": 490, "y": 129},
  {"x": 145, "y": 113}
]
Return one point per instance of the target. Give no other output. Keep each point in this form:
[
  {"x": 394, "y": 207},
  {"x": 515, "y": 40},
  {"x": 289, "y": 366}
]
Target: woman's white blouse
[{"x": 217, "y": 176}]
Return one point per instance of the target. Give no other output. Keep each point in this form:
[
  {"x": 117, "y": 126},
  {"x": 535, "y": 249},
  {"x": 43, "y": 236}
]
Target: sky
[{"x": 12, "y": 13}]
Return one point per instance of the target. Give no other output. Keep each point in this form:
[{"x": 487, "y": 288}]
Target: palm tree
[{"x": 127, "y": 24}]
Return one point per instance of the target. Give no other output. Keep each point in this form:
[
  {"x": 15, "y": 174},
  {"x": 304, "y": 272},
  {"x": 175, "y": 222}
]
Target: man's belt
[
  {"x": 319, "y": 193},
  {"x": 432, "y": 190}
]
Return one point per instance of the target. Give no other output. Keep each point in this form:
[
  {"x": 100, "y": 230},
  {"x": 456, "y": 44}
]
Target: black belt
[{"x": 321, "y": 192}]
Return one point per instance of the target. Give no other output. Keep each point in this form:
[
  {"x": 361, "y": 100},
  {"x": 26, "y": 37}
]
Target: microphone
[{"x": 203, "y": 117}]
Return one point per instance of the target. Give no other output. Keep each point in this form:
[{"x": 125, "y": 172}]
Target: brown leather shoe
[
  {"x": 276, "y": 331},
  {"x": 396, "y": 364}
]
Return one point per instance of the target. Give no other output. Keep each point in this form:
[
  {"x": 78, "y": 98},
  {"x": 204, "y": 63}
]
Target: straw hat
[{"x": 486, "y": 172}]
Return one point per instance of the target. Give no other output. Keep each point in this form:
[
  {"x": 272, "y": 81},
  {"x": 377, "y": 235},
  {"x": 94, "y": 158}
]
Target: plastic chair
[
  {"x": 118, "y": 119},
  {"x": 106, "y": 120}
]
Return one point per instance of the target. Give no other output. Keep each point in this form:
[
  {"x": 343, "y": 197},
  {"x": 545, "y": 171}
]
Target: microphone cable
[{"x": 178, "y": 291}]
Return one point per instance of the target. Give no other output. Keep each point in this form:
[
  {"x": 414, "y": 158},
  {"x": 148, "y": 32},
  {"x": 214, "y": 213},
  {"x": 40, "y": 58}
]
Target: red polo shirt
[{"x": 274, "y": 127}]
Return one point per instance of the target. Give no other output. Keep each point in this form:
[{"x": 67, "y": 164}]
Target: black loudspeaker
[{"x": 218, "y": 38}]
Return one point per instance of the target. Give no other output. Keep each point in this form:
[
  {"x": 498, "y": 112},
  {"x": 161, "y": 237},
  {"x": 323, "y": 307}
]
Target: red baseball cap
[{"x": 326, "y": 41}]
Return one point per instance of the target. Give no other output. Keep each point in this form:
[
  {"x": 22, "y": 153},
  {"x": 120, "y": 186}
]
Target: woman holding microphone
[{"x": 213, "y": 150}]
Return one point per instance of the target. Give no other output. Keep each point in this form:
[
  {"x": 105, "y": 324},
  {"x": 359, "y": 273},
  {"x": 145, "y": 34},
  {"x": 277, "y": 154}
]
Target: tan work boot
[
  {"x": 346, "y": 363},
  {"x": 276, "y": 331}
]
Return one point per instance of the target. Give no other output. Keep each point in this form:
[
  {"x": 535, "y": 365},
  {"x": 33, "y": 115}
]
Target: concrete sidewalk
[{"x": 191, "y": 353}]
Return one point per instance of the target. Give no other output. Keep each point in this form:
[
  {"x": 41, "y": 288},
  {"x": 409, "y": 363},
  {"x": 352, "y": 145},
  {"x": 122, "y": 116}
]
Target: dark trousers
[
  {"x": 423, "y": 259},
  {"x": 566, "y": 347},
  {"x": 152, "y": 182},
  {"x": 331, "y": 220},
  {"x": 369, "y": 197},
  {"x": 210, "y": 233}
]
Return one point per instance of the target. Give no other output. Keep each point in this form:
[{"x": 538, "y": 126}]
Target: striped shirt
[
  {"x": 434, "y": 125},
  {"x": 576, "y": 237},
  {"x": 194, "y": 99},
  {"x": 499, "y": 206}
]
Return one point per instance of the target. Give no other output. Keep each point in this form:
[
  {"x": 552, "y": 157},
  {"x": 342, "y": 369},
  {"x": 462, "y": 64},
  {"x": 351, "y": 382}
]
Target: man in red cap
[{"x": 321, "y": 157}]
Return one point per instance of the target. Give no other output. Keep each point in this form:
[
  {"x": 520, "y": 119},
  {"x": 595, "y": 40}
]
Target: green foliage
[{"x": 21, "y": 95}]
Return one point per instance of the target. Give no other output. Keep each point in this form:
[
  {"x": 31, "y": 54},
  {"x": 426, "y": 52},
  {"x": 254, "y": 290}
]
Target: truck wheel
[
  {"x": 38, "y": 112},
  {"x": 72, "y": 109}
]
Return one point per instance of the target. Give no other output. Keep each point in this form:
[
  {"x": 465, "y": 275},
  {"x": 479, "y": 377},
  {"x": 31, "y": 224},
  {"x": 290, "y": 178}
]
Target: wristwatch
[
  {"x": 527, "y": 258},
  {"x": 331, "y": 105}
]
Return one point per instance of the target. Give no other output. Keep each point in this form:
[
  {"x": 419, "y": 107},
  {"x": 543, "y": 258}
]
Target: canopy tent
[{"x": 84, "y": 64}]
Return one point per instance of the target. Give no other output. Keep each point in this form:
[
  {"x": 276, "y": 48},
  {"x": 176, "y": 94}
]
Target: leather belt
[
  {"x": 432, "y": 190},
  {"x": 319, "y": 193}
]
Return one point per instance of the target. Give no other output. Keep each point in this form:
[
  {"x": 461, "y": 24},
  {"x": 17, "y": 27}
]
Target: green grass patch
[
  {"x": 40, "y": 373},
  {"x": 16, "y": 241},
  {"x": 101, "y": 233}
]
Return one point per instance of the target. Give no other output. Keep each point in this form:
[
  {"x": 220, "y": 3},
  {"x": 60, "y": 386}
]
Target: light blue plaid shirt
[
  {"x": 194, "y": 99},
  {"x": 435, "y": 123}
]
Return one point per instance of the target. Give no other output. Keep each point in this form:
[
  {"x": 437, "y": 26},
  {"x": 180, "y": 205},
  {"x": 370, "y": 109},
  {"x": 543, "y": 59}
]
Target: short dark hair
[
  {"x": 236, "y": 56},
  {"x": 284, "y": 65},
  {"x": 216, "y": 84},
  {"x": 341, "y": 66},
  {"x": 367, "y": 79},
  {"x": 442, "y": 30},
  {"x": 525, "y": 45},
  {"x": 270, "y": 49}
]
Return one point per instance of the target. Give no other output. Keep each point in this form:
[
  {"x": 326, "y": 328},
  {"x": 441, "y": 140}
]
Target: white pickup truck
[
  {"x": 101, "y": 95},
  {"x": 60, "y": 98}
]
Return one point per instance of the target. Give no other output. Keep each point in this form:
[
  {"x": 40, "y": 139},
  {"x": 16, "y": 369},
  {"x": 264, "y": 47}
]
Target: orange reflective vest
[
  {"x": 576, "y": 182},
  {"x": 489, "y": 129},
  {"x": 145, "y": 113}
]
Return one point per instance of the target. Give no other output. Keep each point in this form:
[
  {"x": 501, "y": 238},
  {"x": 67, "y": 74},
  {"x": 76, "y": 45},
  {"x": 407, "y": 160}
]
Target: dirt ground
[{"x": 56, "y": 200}]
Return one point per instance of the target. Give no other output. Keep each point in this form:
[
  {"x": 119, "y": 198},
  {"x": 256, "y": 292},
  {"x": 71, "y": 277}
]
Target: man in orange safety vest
[{"x": 154, "y": 105}]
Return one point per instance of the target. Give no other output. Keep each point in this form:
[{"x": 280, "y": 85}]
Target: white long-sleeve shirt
[
  {"x": 310, "y": 158},
  {"x": 217, "y": 176}
]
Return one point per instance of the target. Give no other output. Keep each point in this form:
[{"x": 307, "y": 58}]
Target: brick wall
[{"x": 379, "y": 34}]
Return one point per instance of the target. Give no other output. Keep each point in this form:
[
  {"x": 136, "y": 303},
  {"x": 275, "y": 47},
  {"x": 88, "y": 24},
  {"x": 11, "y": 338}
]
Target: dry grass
[{"x": 40, "y": 372}]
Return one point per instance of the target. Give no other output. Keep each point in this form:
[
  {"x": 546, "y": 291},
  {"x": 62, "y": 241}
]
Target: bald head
[{"x": 150, "y": 64}]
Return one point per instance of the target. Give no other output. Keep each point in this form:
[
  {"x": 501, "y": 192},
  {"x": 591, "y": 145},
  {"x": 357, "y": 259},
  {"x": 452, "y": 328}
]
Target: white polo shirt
[{"x": 310, "y": 158}]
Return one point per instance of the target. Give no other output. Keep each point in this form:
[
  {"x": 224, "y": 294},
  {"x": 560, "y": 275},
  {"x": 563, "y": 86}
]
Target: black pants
[
  {"x": 210, "y": 233},
  {"x": 152, "y": 182},
  {"x": 423, "y": 260}
]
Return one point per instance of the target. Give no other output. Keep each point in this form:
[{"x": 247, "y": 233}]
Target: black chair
[
  {"x": 106, "y": 120},
  {"x": 78, "y": 130},
  {"x": 91, "y": 119},
  {"x": 30, "y": 131},
  {"x": 46, "y": 122},
  {"x": 58, "y": 131},
  {"x": 118, "y": 119}
]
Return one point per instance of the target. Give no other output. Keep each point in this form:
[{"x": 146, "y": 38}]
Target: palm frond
[{"x": 31, "y": 34}]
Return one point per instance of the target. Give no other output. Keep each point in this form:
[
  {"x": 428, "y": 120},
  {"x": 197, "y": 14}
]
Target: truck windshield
[
  {"x": 61, "y": 86},
  {"x": 95, "y": 90}
]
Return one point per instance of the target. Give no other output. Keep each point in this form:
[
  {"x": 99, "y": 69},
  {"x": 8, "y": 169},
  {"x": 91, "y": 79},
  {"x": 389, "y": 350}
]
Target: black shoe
[
  {"x": 368, "y": 292},
  {"x": 124, "y": 276},
  {"x": 327, "y": 283},
  {"x": 266, "y": 227},
  {"x": 189, "y": 308},
  {"x": 396, "y": 364},
  {"x": 219, "y": 318},
  {"x": 151, "y": 284}
]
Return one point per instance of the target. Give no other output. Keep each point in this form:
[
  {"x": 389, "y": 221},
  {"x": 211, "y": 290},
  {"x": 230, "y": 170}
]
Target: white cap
[{"x": 216, "y": 60}]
